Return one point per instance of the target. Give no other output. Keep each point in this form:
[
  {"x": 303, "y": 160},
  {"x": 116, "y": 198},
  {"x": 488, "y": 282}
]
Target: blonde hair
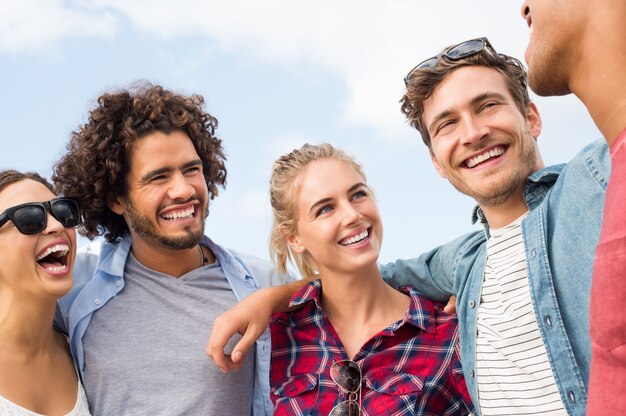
[{"x": 283, "y": 197}]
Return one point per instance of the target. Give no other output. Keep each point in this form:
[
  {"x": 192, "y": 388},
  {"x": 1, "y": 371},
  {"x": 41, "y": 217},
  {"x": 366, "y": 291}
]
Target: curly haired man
[{"x": 145, "y": 166}]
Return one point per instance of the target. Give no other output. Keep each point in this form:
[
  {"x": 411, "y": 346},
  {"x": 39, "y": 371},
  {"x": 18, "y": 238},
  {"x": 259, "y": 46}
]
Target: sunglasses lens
[
  {"x": 347, "y": 408},
  {"x": 347, "y": 375},
  {"x": 66, "y": 211},
  {"x": 429, "y": 63},
  {"x": 30, "y": 219},
  {"x": 466, "y": 48}
]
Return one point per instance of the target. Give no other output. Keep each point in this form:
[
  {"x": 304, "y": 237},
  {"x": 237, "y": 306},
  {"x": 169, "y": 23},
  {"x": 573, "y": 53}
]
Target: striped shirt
[
  {"x": 410, "y": 367},
  {"x": 514, "y": 376}
]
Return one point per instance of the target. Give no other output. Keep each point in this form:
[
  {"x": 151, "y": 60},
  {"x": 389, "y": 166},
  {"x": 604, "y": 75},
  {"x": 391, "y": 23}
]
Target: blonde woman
[
  {"x": 351, "y": 344},
  {"x": 38, "y": 246}
]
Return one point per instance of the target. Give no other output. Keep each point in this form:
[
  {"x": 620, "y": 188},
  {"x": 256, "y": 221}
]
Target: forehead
[
  {"x": 324, "y": 178},
  {"x": 158, "y": 150},
  {"x": 462, "y": 85},
  {"x": 23, "y": 191}
]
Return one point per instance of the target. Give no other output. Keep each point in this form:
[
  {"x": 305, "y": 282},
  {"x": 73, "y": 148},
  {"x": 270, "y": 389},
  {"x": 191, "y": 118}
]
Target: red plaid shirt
[{"x": 410, "y": 368}]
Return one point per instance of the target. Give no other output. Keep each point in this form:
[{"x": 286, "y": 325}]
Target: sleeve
[{"x": 435, "y": 273}]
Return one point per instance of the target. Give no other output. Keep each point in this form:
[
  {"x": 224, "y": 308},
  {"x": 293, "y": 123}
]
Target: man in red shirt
[{"x": 579, "y": 46}]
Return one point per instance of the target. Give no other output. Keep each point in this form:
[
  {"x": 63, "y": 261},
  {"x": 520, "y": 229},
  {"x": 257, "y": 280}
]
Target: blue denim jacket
[
  {"x": 560, "y": 235},
  {"x": 99, "y": 276}
]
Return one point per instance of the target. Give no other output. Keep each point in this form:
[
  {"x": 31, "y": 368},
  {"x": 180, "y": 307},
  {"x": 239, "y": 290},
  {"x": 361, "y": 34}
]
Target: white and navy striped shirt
[{"x": 514, "y": 376}]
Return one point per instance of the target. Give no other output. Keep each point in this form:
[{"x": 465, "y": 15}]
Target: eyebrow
[
  {"x": 156, "y": 172},
  {"x": 477, "y": 99},
  {"x": 326, "y": 200}
]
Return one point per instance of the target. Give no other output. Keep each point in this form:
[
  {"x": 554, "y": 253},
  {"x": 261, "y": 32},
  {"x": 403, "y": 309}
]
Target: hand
[
  {"x": 249, "y": 318},
  {"x": 450, "y": 308}
]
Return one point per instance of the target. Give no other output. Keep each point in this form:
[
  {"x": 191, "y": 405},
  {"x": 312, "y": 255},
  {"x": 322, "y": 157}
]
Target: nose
[
  {"x": 53, "y": 225},
  {"x": 473, "y": 132},
  {"x": 351, "y": 215},
  {"x": 525, "y": 10},
  {"x": 180, "y": 188}
]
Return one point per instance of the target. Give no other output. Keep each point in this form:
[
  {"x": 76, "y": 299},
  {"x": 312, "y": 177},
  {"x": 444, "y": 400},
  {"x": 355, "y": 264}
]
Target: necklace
[{"x": 203, "y": 259}]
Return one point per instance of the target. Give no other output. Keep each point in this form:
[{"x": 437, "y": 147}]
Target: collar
[
  {"x": 112, "y": 260},
  {"x": 421, "y": 313},
  {"x": 536, "y": 187}
]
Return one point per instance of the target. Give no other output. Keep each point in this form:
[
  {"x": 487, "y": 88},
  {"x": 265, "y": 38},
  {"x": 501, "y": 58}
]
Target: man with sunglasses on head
[
  {"x": 145, "y": 166},
  {"x": 579, "y": 47},
  {"x": 522, "y": 284}
]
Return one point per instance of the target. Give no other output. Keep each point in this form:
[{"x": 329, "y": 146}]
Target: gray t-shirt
[{"x": 144, "y": 350}]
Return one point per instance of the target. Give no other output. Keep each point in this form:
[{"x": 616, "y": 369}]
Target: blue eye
[
  {"x": 359, "y": 194},
  {"x": 323, "y": 210}
]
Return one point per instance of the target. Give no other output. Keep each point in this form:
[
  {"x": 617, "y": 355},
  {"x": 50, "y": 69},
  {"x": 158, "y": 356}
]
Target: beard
[
  {"x": 146, "y": 229},
  {"x": 499, "y": 187}
]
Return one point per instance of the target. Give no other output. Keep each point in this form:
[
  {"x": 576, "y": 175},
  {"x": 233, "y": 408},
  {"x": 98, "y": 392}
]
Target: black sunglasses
[
  {"x": 32, "y": 217},
  {"x": 454, "y": 53},
  {"x": 347, "y": 375}
]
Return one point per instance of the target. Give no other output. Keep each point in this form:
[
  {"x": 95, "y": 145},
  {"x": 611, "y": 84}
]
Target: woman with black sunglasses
[
  {"x": 37, "y": 251},
  {"x": 351, "y": 344}
]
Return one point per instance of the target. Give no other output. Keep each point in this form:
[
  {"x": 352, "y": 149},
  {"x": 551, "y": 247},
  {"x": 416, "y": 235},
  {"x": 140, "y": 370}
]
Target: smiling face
[
  {"x": 557, "y": 30},
  {"x": 480, "y": 141},
  {"x": 37, "y": 264},
  {"x": 167, "y": 196},
  {"x": 338, "y": 222}
]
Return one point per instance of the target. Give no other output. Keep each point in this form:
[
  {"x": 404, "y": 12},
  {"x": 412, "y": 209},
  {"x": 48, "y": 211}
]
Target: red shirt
[
  {"x": 411, "y": 367},
  {"x": 607, "y": 381}
]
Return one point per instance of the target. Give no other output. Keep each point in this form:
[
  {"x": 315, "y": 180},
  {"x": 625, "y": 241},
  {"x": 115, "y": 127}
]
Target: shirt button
[
  {"x": 97, "y": 301},
  {"x": 548, "y": 321},
  {"x": 533, "y": 253},
  {"x": 572, "y": 397},
  {"x": 118, "y": 283},
  {"x": 472, "y": 373},
  {"x": 472, "y": 303},
  {"x": 393, "y": 389}
]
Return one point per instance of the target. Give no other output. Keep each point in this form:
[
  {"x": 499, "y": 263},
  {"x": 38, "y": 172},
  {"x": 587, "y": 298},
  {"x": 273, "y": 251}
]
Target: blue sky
[{"x": 276, "y": 74}]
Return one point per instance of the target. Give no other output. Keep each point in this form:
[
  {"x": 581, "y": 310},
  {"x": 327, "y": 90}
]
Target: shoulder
[{"x": 264, "y": 271}]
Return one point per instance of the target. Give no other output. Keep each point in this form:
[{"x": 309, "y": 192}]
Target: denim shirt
[
  {"x": 560, "y": 235},
  {"x": 99, "y": 276}
]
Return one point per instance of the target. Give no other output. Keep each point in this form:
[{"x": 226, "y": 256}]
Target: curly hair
[
  {"x": 283, "y": 197},
  {"x": 97, "y": 163},
  {"x": 421, "y": 83}
]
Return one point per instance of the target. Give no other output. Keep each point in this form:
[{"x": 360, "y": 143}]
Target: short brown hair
[
  {"x": 421, "y": 83},
  {"x": 97, "y": 163},
  {"x": 10, "y": 176}
]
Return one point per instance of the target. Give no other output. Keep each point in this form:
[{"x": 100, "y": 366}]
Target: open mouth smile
[
  {"x": 54, "y": 258},
  {"x": 484, "y": 156},
  {"x": 180, "y": 214},
  {"x": 355, "y": 239}
]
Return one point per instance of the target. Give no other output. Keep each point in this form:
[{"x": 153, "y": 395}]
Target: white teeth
[
  {"x": 62, "y": 249},
  {"x": 56, "y": 268},
  {"x": 354, "y": 239},
  {"x": 174, "y": 215},
  {"x": 484, "y": 156}
]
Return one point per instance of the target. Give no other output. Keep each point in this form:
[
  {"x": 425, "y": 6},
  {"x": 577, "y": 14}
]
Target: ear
[
  {"x": 117, "y": 204},
  {"x": 437, "y": 166},
  {"x": 534, "y": 120},
  {"x": 292, "y": 240}
]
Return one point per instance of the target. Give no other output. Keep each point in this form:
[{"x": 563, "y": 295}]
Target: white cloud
[
  {"x": 368, "y": 44},
  {"x": 37, "y": 26}
]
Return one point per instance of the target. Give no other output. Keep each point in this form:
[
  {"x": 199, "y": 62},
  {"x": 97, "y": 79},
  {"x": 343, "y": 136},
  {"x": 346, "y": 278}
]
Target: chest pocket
[
  {"x": 297, "y": 395},
  {"x": 391, "y": 391}
]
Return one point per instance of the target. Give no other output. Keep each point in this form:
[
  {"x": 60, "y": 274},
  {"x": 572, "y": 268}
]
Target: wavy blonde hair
[{"x": 284, "y": 190}]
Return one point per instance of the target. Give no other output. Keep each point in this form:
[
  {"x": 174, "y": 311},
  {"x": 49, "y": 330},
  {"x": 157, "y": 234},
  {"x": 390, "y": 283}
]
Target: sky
[{"x": 276, "y": 74}]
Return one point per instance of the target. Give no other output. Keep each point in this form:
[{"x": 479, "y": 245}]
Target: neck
[
  {"x": 172, "y": 262},
  {"x": 505, "y": 213},
  {"x": 599, "y": 76},
  {"x": 26, "y": 322},
  {"x": 356, "y": 297}
]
